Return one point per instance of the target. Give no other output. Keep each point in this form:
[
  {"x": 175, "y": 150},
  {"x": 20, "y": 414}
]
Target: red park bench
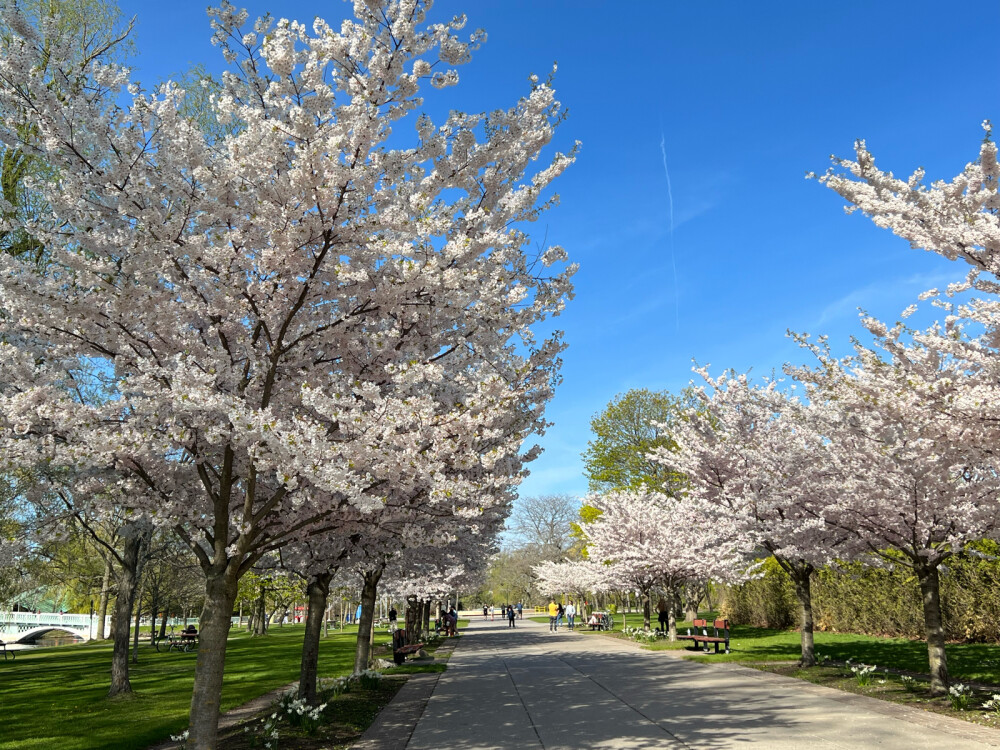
[{"x": 721, "y": 634}]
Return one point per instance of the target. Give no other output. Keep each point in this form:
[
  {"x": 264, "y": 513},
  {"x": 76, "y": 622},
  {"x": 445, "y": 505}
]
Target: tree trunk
[
  {"x": 317, "y": 590},
  {"x": 138, "y": 624},
  {"x": 154, "y": 608},
  {"x": 426, "y": 611},
  {"x": 128, "y": 582},
  {"x": 102, "y": 604},
  {"x": 802, "y": 578},
  {"x": 163, "y": 620},
  {"x": 930, "y": 590},
  {"x": 369, "y": 593},
  {"x": 260, "y": 616},
  {"x": 412, "y": 619},
  {"x": 692, "y": 598},
  {"x": 671, "y": 624},
  {"x": 646, "y": 607},
  {"x": 213, "y": 635}
]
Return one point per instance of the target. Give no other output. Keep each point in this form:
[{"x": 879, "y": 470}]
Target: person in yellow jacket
[{"x": 553, "y": 615}]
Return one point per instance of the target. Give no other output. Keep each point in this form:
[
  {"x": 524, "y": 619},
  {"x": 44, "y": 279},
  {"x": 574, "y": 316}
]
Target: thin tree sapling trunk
[
  {"x": 135, "y": 630},
  {"x": 102, "y": 603}
]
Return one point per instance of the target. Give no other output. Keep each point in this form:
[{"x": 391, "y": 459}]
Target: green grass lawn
[
  {"x": 55, "y": 697},
  {"x": 979, "y": 662}
]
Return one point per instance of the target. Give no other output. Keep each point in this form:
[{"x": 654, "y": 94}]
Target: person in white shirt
[{"x": 570, "y": 613}]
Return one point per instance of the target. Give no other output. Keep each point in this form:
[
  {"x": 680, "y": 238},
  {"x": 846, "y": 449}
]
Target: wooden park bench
[
  {"x": 703, "y": 639},
  {"x": 3, "y": 647}
]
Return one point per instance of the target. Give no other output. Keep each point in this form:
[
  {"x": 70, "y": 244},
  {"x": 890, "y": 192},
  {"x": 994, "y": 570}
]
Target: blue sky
[{"x": 745, "y": 99}]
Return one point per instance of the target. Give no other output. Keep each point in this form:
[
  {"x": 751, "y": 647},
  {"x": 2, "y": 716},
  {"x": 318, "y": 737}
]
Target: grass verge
[{"x": 55, "y": 698}]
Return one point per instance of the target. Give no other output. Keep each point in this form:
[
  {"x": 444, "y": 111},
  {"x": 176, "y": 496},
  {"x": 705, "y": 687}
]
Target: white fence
[
  {"x": 15, "y": 623},
  {"x": 12, "y": 624}
]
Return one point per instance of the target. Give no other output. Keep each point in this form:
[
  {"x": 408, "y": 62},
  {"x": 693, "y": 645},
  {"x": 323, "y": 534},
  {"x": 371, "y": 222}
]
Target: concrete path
[{"x": 530, "y": 688}]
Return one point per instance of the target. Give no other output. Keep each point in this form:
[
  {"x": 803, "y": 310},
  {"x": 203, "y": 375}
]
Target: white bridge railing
[{"x": 15, "y": 623}]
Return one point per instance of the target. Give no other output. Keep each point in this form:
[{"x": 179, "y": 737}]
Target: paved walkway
[{"x": 533, "y": 689}]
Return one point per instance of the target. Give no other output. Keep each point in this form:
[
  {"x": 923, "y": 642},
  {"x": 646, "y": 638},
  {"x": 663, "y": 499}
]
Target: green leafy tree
[{"x": 625, "y": 432}]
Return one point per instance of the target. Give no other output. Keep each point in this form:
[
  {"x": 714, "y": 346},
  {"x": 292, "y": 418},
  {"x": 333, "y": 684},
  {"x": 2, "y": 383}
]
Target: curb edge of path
[{"x": 395, "y": 723}]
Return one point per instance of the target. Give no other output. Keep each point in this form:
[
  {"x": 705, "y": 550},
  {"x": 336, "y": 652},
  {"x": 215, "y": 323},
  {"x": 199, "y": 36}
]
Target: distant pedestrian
[
  {"x": 553, "y": 614},
  {"x": 570, "y": 614},
  {"x": 520, "y": 611},
  {"x": 493, "y": 612},
  {"x": 486, "y": 612},
  {"x": 511, "y": 614},
  {"x": 393, "y": 614},
  {"x": 662, "y": 615}
]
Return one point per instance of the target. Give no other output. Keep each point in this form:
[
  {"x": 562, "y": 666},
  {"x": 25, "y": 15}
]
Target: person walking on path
[
  {"x": 662, "y": 615},
  {"x": 493, "y": 613},
  {"x": 570, "y": 614},
  {"x": 559, "y": 615},
  {"x": 511, "y": 614},
  {"x": 520, "y": 610},
  {"x": 486, "y": 612},
  {"x": 553, "y": 615}
]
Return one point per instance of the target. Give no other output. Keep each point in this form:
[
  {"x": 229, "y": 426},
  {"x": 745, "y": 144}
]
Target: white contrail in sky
[{"x": 673, "y": 262}]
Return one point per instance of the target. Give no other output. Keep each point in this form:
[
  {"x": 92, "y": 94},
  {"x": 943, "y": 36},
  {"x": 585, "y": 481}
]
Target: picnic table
[{"x": 179, "y": 641}]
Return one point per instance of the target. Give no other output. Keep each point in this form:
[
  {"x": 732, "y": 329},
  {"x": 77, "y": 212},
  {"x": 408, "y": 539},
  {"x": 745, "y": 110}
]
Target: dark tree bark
[
  {"x": 128, "y": 583},
  {"x": 221, "y": 583},
  {"x": 163, "y": 620},
  {"x": 260, "y": 616},
  {"x": 801, "y": 575},
  {"x": 646, "y": 607},
  {"x": 412, "y": 619},
  {"x": 930, "y": 591},
  {"x": 317, "y": 591},
  {"x": 369, "y": 594},
  {"x": 154, "y": 608}
]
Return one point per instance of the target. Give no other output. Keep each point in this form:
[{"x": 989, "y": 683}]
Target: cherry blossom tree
[
  {"x": 916, "y": 483},
  {"x": 647, "y": 541},
  {"x": 751, "y": 452},
  {"x": 301, "y": 313},
  {"x": 958, "y": 219},
  {"x": 577, "y": 576}
]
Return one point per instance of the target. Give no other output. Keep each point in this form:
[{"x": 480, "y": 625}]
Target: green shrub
[
  {"x": 765, "y": 602},
  {"x": 859, "y": 598}
]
